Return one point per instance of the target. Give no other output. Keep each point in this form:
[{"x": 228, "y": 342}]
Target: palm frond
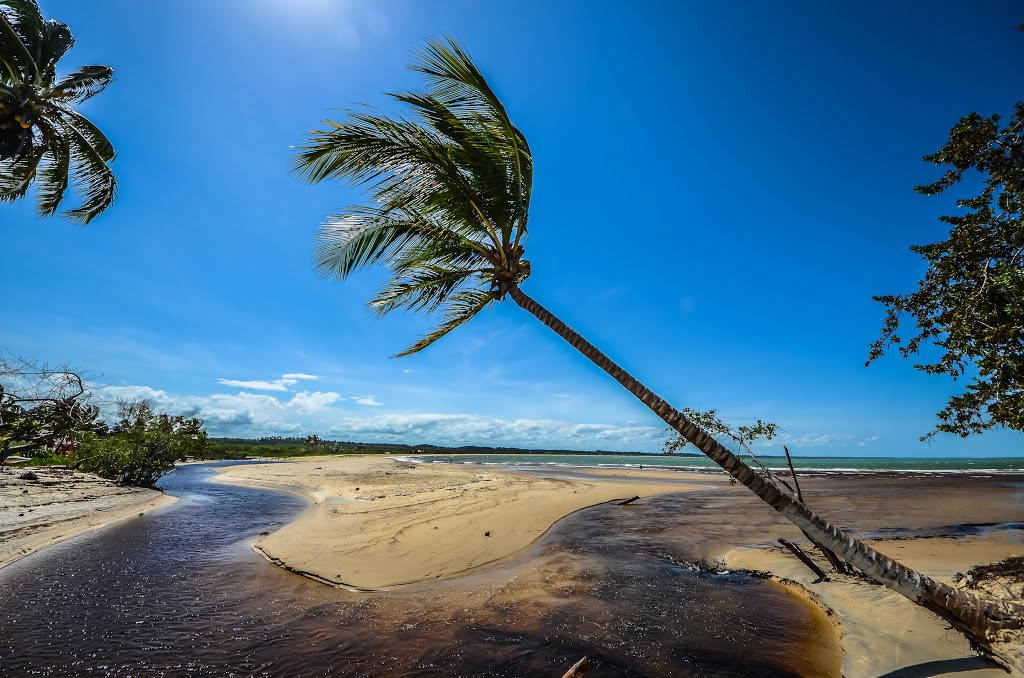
[
  {"x": 448, "y": 190},
  {"x": 93, "y": 177},
  {"x": 54, "y": 178},
  {"x": 425, "y": 289},
  {"x": 65, "y": 146},
  {"x": 85, "y": 83},
  {"x": 365, "y": 236},
  {"x": 97, "y": 139},
  {"x": 55, "y": 43},
  {"x": 460, "y": 309},
  {"x": 405, "y": 164},
  {"x": 361, "y": 238},
  {"x": 458, "y": 84},
  {"x": 16, "y": 176},
  {"x": 25, "y": 15},
  {"x": 484, "y": 168},
  {"x": 19, "y": 64}
]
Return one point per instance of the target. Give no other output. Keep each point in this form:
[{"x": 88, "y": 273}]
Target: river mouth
[{"x": 181, "y": 592}]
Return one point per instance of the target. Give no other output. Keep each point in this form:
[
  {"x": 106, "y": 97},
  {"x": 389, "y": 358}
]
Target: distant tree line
[{"x": 276, "y": 446}]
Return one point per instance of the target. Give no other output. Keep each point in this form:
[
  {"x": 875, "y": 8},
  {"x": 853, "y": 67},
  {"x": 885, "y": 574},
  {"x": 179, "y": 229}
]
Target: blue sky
[{"x": 720, "y": 189}]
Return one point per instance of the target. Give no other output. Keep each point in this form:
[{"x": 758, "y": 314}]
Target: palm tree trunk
[{"x": 977, "y": 617}]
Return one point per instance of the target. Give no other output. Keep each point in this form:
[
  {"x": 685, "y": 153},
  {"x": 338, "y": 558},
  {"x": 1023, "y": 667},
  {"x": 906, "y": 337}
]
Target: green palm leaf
[
  {"x": 459, "y": 310},
  {"x": 42, "y": 137},
  {"x": 22, "y": 25},
  {"x": 93, "y": 178},
  {"x": 448, "y": 187},
  {"x": 85, "y": 83},
  {"x": 55, "y": 43},
  {"x": 19, "y": 64},
  {"x": 54, "y": 178},
  {"x": 16, "y": 176}
]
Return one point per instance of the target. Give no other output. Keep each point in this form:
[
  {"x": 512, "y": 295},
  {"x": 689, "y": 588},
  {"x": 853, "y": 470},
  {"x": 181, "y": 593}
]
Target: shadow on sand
[{"x": 939, "y": 668}]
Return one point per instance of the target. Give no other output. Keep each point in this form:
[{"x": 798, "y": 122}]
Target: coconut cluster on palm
[{"x": 44, "y": 140}]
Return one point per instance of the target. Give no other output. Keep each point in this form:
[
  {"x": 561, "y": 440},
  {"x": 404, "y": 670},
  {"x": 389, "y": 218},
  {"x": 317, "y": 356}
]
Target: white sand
[{"x": 62, "y": 504}]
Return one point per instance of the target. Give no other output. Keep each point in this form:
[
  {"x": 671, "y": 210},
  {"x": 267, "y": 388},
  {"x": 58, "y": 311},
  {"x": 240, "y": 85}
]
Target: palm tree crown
[
  {"x": 450, "y": 194},
  {"x": 43, "y": 139}
]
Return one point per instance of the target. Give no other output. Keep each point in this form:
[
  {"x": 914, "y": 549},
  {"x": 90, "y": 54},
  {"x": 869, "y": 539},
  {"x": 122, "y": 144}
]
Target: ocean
[{"x": 813, "y": 465}]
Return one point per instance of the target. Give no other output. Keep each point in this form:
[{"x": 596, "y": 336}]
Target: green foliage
[
  {"x": 142, "y": 446},
  {"x": 970, "y": 304},
  {"x": 449, "y": 195},
  {"x": 43, "y": 139},
  {"x": 716, "y": 426}
]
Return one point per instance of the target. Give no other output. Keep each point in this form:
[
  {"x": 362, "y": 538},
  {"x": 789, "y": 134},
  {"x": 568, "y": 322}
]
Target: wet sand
[
  {"x": 60, "y": 504},
  {"x": 941, "y": 525},
  {"x": 383, "y": 535}
]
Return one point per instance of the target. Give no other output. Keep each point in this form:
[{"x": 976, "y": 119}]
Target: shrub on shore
[{"x": 142, "y": 446}]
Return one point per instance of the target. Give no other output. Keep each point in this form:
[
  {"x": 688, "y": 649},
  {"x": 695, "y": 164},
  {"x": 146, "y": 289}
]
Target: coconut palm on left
[{"x": 44, "y": 140}]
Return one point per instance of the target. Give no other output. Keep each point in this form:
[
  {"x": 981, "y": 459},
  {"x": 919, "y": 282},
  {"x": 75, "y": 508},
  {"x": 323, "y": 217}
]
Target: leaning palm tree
[
  {"x": 450, "y": 197},
  {"x": 43, "y": 139}
]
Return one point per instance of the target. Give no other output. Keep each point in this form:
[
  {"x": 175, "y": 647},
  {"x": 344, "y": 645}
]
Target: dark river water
[{"x": 180, "y": 592}]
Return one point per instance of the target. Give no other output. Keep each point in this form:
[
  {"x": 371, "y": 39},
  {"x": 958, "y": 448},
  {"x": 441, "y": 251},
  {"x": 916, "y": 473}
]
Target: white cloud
[
  {"x": 467, "y": 429},
  {"x": 131, "y": 393},
  {"x": 367, "y": 400},
  {"x": 308, "y": 403},
  {"x": 867, "y": 441},
  {"x": 258, "y": 385},
  {"x": 246, "y": 400},
  {"x": 282, "y": 384}
]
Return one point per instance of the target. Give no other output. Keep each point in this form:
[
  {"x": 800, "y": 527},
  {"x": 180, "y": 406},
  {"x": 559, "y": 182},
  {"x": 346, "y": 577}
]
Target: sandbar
[{"x": 377, "y": 523}]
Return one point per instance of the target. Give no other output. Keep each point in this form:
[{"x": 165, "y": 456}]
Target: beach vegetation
[
  {"x": 44, "y": 410},
  {"x": 142, "y": 446},
  {"x": 969, "y": 305},
  {"x": 449, "y": 191},
  {"x": 44, "y": 140},
  {"x": 742, "y": 436}
]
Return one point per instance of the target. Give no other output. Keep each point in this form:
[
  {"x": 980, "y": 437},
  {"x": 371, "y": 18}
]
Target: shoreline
[
  {"x": 60, "y": 505},
  {"x": 683, "y": 463}
]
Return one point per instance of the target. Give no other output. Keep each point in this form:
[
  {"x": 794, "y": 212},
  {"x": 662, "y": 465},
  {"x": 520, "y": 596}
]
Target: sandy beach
[
  {"x": 57, "y": 504},
  {"x": 378, "y": 523}
]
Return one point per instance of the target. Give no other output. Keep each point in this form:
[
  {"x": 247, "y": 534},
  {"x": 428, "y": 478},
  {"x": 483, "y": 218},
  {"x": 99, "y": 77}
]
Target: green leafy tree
[
  {"x": 44, "y": 140},
  {"x": 143, "y": 445},
  {"x": 449, "y": 193},
  {"x": 970, "y": 304}
]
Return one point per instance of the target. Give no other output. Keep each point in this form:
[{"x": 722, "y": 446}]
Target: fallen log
[
  {"x": 629, "y": 501},
  {"x": 804, "y": 558}
]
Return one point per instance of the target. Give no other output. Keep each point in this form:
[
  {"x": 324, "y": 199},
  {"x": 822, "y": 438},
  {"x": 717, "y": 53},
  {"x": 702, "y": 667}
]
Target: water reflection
[{"x": 181, "y": 593}]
